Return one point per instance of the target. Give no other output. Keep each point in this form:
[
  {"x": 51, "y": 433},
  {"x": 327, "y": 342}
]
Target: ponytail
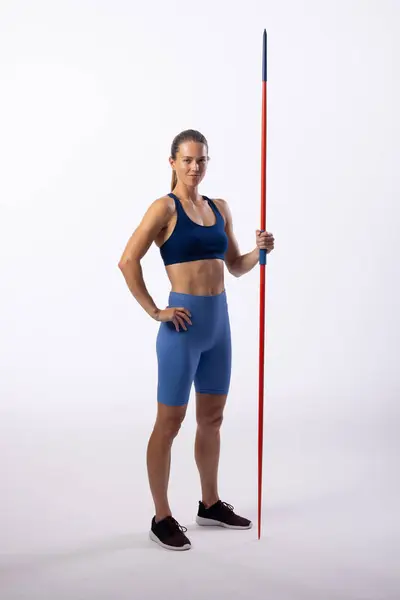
[{"x": 173, "y": 181}]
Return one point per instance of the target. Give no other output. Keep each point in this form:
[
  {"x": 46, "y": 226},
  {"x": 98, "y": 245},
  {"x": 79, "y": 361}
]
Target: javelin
[{"x": 263, "y": 262}]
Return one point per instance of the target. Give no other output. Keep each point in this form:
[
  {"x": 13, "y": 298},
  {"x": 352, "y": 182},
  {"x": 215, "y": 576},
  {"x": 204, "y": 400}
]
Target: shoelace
[
  {"x": 229, "y": 506},
  {"x": 175, "y": 525}
]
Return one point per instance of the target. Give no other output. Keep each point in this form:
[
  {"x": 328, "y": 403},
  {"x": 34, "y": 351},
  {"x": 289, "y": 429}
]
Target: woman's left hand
[{"x": 265, "y": 240}]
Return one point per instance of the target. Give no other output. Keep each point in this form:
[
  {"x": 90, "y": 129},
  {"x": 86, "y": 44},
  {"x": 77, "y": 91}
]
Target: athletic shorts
[{"x": 200, "y": 356}]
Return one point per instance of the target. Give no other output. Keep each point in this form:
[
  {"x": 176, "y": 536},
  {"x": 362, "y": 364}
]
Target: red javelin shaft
[{"x": 263, "y": 262}]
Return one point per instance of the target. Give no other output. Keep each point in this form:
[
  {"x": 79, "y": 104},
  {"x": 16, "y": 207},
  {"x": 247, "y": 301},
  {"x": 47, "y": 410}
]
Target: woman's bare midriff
[{"x": 199, "y": 278}]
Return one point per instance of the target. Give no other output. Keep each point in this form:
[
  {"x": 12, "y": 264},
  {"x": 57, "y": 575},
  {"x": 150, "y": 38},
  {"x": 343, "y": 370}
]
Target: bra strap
[{"x": 178, "y": 204}]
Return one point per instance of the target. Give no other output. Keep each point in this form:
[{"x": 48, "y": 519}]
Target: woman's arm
[
  {"x": 239, "y": 264},
  {"x": 155, "y": 219}
]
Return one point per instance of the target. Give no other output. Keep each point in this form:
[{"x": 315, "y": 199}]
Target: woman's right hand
[{"x": 178, "y": 316}]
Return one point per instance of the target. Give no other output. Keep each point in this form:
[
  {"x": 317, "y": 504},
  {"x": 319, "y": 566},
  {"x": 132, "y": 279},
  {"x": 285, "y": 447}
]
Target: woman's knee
[
  {"x": 169, "y": 419},
  {"x": 210, "y": 421},
  {"x": 210, "y": 410}
]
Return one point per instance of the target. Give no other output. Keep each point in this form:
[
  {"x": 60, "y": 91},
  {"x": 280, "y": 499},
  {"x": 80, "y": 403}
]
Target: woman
[{"x": 196, "y": 240}]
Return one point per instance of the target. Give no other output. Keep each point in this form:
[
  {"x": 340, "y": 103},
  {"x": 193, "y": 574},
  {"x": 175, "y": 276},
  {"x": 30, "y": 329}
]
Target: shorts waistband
[
  {"x": 194, "y": 296},
  {"x": 192, "y": 300}
]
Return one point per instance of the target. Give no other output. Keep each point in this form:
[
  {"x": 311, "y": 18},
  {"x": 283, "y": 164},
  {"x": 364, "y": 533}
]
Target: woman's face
[{"x": 191, "y": 163}]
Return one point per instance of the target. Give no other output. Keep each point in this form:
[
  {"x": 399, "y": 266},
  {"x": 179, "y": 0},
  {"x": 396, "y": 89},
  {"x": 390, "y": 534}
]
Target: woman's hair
[{"x": 189, "y": 135}]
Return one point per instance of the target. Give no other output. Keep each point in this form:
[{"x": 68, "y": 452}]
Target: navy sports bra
[{"x": 190, "y": 241}]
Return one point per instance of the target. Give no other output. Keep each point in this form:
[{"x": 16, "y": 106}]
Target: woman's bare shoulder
[
  {"x": 160, "y": 209},
  {"x": 165, "y": 203},
  {"x": 220, "y": 202},
  {"x": 223, "y": 207}
]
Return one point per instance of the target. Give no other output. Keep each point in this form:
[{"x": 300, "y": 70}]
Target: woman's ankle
[
  {"x": 162, "y": 515},
  {"x": 210, "y": 500}
]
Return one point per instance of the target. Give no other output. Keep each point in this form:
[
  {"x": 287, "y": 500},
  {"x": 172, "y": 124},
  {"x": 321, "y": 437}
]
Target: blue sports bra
[{"x": 190, "y": 241}]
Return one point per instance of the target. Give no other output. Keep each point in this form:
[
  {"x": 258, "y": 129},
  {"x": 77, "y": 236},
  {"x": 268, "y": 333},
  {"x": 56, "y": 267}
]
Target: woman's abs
[{"x": 199, "y": 278}]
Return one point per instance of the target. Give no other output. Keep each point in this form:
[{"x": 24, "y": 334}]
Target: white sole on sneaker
[
  {"x": 155, "y": 539},
  {"x": 213, "y": 523}
]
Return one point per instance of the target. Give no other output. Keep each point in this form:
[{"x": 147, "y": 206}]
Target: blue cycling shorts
[{"x": 200, "y": 356}]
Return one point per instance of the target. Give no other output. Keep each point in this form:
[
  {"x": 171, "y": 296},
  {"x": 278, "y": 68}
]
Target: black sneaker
[
  {"x": 222, "y": 515},
  {"x": 169, "y": 534}
]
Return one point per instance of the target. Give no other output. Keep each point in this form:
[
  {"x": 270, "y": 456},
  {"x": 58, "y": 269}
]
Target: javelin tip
[{"x": 264, "y": 60}]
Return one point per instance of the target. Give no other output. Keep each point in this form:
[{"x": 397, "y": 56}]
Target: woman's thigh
[
  {"x": 177, "y": 358},
  {"x": 213, "y": 373}
]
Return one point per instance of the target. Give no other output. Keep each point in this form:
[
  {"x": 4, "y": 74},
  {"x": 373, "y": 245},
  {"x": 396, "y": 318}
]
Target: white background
[{"x": 92, "y": 94}]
